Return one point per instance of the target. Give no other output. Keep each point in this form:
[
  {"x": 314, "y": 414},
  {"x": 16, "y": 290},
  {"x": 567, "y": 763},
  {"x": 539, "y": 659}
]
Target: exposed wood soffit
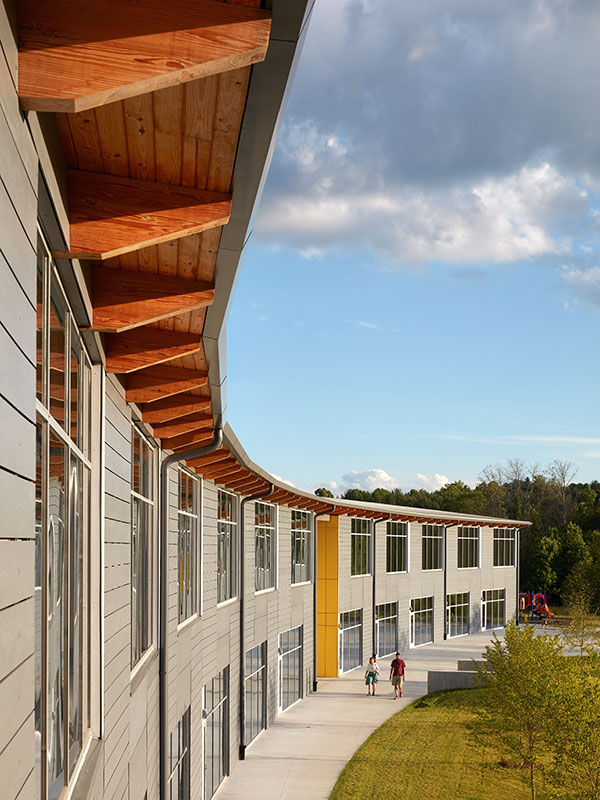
[
  {"x": 192, "y": 422},
  {"x": 146, "y": 347},
  {"x": 222, "y": 470},
  {"x": 177, "y": 407},
  {"x": 155, "y": 383},
  {"x": 205, "y": 439},
  {"x": 188, "y": 439},
  {"x": 253, "y": 486},
  {"x": 78, "y": 55},
  {"x": 110, "y": 215},
  {"x": 124, "y": 300},
  {"x": 208, "y": 460}
]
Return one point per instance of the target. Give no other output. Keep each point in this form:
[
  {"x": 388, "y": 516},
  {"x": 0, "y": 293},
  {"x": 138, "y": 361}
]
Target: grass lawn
[{"x": 426, "y": 752}]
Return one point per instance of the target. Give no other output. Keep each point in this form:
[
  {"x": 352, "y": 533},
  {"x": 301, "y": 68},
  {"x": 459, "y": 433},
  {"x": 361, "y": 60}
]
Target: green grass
[{"x": 427, "y": 751}]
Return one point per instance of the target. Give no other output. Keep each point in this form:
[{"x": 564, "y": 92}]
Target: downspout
[
  {"x": 374, "y": 574},
  {"x": 174, "y": 458},
  {"x": 518, "y": 570},
  {"x": 265, "y": 493},
  {"x": 445, "y": 599},
  {"x": 314, "y": 554}
]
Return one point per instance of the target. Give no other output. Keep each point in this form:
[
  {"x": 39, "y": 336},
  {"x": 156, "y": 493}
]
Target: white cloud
[
  {"x": 431, "y": 484},
  {"x": 283, "y": 480},
  {"x": 370, "y": 479},
  {"x": 584, "y": 284}
]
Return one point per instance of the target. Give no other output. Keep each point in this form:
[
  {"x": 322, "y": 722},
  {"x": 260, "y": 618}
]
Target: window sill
[
  {"x": 229, "y": 602},
  {"x": 436, "y": 569},
  {"x": 398, "y": 572},
  {"x": 142, "y": 667},
  {"x": 265, "y": 591},
  {"x": 365, "y": 575},
  {"x": 301, "y": 583},
  {"x": 188, "y": 622},
  {"x": 461, "y": 569},
  {"x": 504, "y": 566},
  {"x": 89, "y": 780}
]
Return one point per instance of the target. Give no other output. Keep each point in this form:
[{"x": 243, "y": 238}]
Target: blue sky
[{"x": 420, "y": 296}]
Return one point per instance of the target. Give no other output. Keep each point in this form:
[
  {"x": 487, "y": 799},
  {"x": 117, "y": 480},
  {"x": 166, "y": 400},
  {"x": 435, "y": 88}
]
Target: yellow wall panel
[{"x": 327, "y": 598}]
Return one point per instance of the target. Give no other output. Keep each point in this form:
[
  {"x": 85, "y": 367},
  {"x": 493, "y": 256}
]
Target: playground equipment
[{"x": 534, "y": 605}]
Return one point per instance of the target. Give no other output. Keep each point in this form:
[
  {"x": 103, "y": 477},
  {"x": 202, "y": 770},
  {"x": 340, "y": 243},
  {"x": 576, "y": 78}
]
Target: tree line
[{"x": 560, "y": 552}]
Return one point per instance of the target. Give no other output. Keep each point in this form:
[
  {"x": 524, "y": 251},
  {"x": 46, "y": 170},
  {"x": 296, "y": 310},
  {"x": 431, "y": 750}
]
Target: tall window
[
  {"x": 457, "y": 614},
  {"x": 187, "y": 545},
  {"x": 504, "y": 547},
  {"x": 386, "y": 624},
  {"x": 179, "y": 760},
  {"x": 433, "y": 546},
  {"x": 142, "y": 544},
  {"x": 300, "y": 546},
  {"x": 255, "y": 688},
  {"x": 290, "y": 667},
  {"x": 264, "y": 546},
  {"x": 350, "y": 640},
  {"x": 492, "y": 609},
  {"x": 421, "y": 621},
  {"x": 226, "y": 546},
  {"x": 62, "y": 551},
  {"x": 216, "y": 732},
  {"x": 397, "y": 547},
  {"x": 468, "y": 548},
  {"x": 360, "y": 555}
]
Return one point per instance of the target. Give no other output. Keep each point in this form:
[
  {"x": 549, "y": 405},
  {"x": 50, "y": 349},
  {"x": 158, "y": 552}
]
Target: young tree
[
  {"x": 582, "y": 633},
  {"x": 521, "y": 674}
]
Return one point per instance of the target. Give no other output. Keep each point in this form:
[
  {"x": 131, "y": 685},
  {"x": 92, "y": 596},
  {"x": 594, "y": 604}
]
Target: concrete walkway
[{"x": 303, "y": 752}]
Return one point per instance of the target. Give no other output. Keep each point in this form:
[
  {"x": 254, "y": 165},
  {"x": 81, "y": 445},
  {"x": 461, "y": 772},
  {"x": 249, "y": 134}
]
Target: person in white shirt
[{"x": 372, "y": 676}]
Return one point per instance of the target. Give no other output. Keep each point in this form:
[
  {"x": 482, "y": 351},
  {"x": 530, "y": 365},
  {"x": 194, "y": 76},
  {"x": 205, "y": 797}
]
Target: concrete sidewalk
[{"x": 303, "y": 752}]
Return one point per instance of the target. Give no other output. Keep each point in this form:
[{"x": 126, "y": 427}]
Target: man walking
[{"x": 397, "y": 675}]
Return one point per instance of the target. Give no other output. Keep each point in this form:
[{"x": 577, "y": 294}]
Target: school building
[{"x": 162, "y": 598}]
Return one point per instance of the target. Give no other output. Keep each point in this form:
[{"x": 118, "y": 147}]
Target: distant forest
[{"x": 560, "y": 553}]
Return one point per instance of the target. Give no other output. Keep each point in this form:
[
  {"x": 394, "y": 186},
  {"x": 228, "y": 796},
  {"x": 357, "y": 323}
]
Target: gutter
[
  {"x": 314, "y": 554},
  {"x": 518, "y": 571},
  {"x": 242, "y": 530},
  {"x": 374, "y": 574},
  {"x": 174, "y": 458}
]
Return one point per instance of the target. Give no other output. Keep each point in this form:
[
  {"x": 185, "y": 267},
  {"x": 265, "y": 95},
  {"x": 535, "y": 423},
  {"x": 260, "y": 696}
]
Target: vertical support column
[{"x": 327, "y": 597}]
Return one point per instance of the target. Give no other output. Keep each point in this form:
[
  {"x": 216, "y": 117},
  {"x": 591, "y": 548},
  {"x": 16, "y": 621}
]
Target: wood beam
[
  {"x": 201, "y": 439},
  {"x": 124, "y": 300},
  {"x": 220, "y": 469},
  {"x": 110, "y": 215},
  {"x": 210, "y": 459},
  {"x": 192, "y": 422},
  {"x": 188, "y": 439},
  {"x": 146, "y": 347},
  {"x": 154, "y": 383},
  {"x": 174, "y": 408},
  {"x": 79, "y": 55},
  {"x": 251, "y": 486},
  {"x": 229, "y": 472}
]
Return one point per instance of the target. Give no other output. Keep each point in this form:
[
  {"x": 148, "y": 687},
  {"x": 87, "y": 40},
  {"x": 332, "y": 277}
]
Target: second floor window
[
  {"x": 142, "y": 544},
  {"x": 396, "y": 547},
  {"x": 433, "y": 546},
  {"x": 360, "y": 548},
  {"x": 187, "y": 545},
  {"x": 226, "y": 546},
  {"x": 300, "y": 546},
  {"x": 468, "y": 547},
  {"x": 264, "y": 546},
  {"x": 504, "y": 547}
]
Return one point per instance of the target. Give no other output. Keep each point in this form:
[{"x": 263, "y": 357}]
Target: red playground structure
[{"x": 534, "y": 605}]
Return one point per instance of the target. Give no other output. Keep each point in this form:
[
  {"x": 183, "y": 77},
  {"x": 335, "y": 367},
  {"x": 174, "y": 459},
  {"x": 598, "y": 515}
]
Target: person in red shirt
[{"x": 397, "y": 675}]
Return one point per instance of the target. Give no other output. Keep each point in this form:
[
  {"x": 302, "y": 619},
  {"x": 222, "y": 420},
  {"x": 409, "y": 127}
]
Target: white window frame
[
  {"x": 413, "y": 614},
  {"x": 450, "y": 606},
  {"x": 274, "y": 528},
  {"x": 378, "y": 620},
  {"x": 341, "y": 630},
  {"x": 183, "y": 729},
  {"x": 307, "y": 544},
  {"x": 427, "y": 536},
  {"x": 360, "y": 535},
  {"x": 406, "y": 537},
  {"x": 152, "y": 506},
  {"x": 248, "y": 677},
  {"x": 234, "y": 538},
  {"x": 280, "y": 657},
  {"x": 512, "y": 538},
  {"x": 486, "y": 603},
  {"x": 225, "y": 703},
  {"x": 460, "y": 538},
  {"x": 196, "y": 567}
]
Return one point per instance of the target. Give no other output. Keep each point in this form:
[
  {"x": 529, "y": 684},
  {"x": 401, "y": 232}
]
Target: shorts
[
  {"x": 397, "y": 680},
  {"x": 372, "y": 677}
]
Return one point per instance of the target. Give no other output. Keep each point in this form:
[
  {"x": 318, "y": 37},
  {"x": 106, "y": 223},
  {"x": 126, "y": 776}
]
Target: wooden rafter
[
  {"x": 176, "y": 407},
  {"x": 79, "y": 55},
  {"x": 192, "y": 422},
  {"x": 221, "y": 470},
  {"x": 155, "y": 383},
  {"x": 110, "y": 215},
  {"x": 199, "y": 440},
  {"x": 124, "y": 300},
  {"x": 207, "y": 461},
  {"x": 146, "y": 347},
  {"x": 251, "y": 486},
  {"x": 188, "y": 439}
]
